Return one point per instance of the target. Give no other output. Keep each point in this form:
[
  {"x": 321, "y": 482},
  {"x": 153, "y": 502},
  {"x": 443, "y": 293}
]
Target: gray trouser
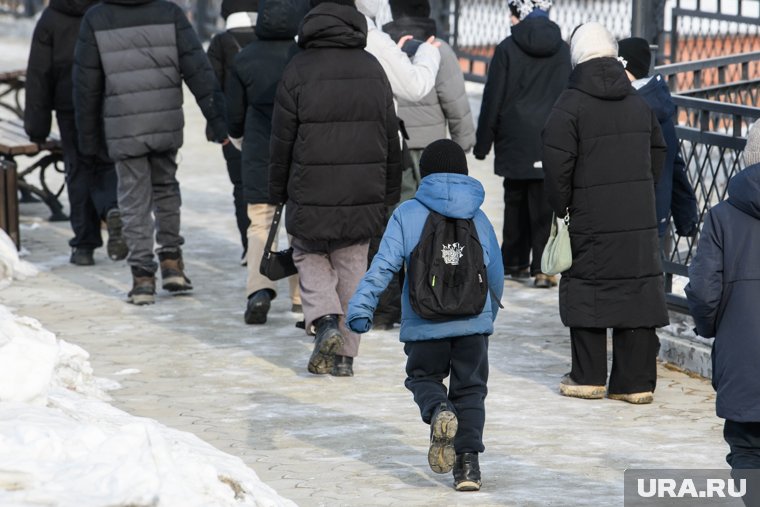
[
  {"x": 328, "y": 280},
  {"x": 148, "y": 186}
]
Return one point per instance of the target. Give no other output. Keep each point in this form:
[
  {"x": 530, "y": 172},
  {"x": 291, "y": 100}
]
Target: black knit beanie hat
[
  {"x": 410, "y": 8},
  {"x": 349, "y": 3},
  {"x": 232, "y": 6},
  {"x": 443, "y": 156},
  {"x": 635, "y": 51}
]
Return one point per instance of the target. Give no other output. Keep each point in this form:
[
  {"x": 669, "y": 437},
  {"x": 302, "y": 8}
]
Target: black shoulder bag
[{"x": 277, "y": 265}]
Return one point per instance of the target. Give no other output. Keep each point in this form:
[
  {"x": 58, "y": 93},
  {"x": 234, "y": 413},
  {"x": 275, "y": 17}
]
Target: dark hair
[{"x": 514, "y": 11}]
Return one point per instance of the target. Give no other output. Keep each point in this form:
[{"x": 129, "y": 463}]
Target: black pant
[
  {"x": 465, "y": 358},
  {"x": 234, "y": 168},
  {"x": 527, "y": 222},
  {"x": 91, "y": 184},
  {"x": 743, "y": 438},
  {"x": 634, "y": 358}
]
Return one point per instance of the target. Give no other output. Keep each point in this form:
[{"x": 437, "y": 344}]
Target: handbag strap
[
  {"x": 553, "y": 230},
  {"x": 565, "y": 220},
  {"x": 273, "y": 230}
]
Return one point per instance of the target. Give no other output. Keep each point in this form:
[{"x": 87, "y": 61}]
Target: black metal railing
[
  {"x": 711, "y": 136},
  {"x": 724, "y": 71},
  {"x": 743, "y": 92}
]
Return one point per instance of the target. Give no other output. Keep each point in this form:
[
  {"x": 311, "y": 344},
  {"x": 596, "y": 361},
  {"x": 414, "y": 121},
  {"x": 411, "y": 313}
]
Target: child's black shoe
[
  {"x": 443, "y": 429},
  {"x": 467, "y": 472}
]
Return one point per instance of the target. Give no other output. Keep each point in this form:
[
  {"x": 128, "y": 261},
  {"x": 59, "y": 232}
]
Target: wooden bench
[{"x": 14, "y": 143}]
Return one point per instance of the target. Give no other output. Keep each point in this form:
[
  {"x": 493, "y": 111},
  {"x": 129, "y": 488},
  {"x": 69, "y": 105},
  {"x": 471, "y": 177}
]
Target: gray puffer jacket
[
  {"x": 129, "y": 63},
  {"x": 426, "y": 120}
]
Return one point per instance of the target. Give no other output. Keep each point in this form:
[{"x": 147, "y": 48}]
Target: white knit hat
[
  {"x": 751, "y": 152},
  {"x": 592, "y": 40}
]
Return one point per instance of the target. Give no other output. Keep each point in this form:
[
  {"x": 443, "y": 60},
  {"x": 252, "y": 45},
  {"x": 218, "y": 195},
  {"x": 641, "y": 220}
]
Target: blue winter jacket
[
  {"x": 723, "y": 294},
  {"x": 674, "y": 195},
  {"x": 451, "y": 195}
]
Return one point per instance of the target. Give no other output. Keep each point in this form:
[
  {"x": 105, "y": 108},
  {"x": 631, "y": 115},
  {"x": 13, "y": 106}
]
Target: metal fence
[
  {"x": 734, "y": 79},
  {"x": 700, "y": 31},
  {"x": 477, "y": 26},
  {"x": 711, "y": 136},
  {"x": 681, "y": 30},
  {"x": 712, "y": 125}
]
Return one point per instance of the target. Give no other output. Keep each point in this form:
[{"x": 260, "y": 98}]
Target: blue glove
[{"x": 360, "y": 325}]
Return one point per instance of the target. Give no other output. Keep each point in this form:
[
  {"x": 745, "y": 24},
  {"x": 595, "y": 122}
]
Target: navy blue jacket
[
  {"x": 251, "y": 85},
  {"x": 723, "y": 293},
  {"x": 48, "y": 75},
  {"x": 451, "y": 195},
  {"x": 673, "y": 193}
]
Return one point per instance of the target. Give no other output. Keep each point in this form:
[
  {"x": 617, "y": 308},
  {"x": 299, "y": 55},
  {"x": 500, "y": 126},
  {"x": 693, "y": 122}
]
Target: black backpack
[{"x": 447, "y": 275}]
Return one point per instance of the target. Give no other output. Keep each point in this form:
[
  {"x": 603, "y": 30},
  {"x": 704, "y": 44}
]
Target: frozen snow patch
[
  {"x": 127, "y": 371},
  {"x": 32, "y": 361},
  {"x": 11, "y": 266}
]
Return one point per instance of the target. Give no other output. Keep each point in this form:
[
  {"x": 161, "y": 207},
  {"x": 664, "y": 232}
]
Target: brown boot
[
  {"x": 543, "y": 281},
  {"x": 173, "y": 276},
  {"x": 143, "y": 287}
]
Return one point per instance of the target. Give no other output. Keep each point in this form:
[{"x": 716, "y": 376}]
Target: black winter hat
[
  {"x": 349, "y": 3},
  {"x": 232, "y": 6},
  {"x": 635, "y": 51},
  {"x": 443, "y": 156},
  {"x": 410, "y": 8}
]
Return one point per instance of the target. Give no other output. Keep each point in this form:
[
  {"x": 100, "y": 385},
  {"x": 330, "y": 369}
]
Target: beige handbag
[{"x": 557, "y": 256}]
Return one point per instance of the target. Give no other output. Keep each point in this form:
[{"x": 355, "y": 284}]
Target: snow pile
[
  {"x": 62, "y": 445},
  {"x": 11, "y": 267},
  {"x": 32, "y": 361}
]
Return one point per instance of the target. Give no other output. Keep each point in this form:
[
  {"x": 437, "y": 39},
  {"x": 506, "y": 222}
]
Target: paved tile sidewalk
[{"x": 356, "y": 441}]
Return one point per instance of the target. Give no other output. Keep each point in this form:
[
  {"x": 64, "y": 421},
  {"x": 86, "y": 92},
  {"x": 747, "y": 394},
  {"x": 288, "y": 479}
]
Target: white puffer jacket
[{"x": 410, "y": 80}]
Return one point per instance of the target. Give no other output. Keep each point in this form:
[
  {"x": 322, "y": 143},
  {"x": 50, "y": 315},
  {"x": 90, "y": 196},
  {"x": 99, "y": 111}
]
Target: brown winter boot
[
  {"x": 173, "y": 276},
  {"x": 143, "y": 287}
]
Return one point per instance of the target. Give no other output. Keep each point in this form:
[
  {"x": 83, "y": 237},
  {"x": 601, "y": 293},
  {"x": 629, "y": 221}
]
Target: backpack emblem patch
[{"x": 452, "y": 253}]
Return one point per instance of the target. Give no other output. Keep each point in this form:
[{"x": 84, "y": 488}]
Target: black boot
[
  {"x": 467, "y": 472},
  {"x": 82, "y": 257},
  {"x": 143, "y": 287},
  {"x": 343, "y": 367},
  {"x": 443, "y": 429},
  {"x": 258, "y": 306},
  {"x": 327, "y": 342}
]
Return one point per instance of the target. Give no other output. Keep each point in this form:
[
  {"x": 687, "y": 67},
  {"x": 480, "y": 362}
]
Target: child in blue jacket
[{"x": 436, "y": 349}]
